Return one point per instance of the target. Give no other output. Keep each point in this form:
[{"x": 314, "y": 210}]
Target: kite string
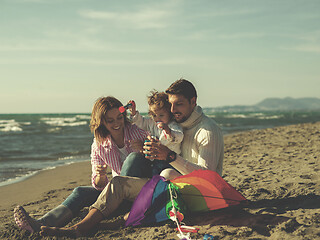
[
  {"x": 205, "y": 196},
  {"x": 181, "y": 235}
]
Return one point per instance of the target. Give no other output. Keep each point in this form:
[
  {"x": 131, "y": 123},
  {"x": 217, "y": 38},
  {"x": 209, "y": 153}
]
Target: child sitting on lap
[{"x": 160, "y": 125}]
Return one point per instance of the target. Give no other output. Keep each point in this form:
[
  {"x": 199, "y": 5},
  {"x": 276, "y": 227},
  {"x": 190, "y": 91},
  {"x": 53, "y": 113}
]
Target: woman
[{"x": 116, "y": 141}]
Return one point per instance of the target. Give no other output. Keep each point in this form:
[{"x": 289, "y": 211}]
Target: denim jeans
[
  {"x": 135, "y": 165},
  {"x": 83, "y": 196},
  {"x": 158, "y": 166}
]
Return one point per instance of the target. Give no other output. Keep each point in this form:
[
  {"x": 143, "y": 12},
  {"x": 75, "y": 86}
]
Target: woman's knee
[
  {"x": 79, "y": 191},
  {"x": 85, "y": 192},
  {"x": 135, "y": 157},
  {"x": 134, "y": 165}
]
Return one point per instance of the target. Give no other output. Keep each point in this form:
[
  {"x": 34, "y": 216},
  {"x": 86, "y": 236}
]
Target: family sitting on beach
[{"x": 177, "y": 139}]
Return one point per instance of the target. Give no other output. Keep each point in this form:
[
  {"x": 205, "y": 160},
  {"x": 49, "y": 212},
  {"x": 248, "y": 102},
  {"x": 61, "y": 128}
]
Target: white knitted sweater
[{"x": 202, "y": 145}]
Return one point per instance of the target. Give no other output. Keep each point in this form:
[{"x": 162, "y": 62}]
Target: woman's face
[{"x": 114, "y": 122}]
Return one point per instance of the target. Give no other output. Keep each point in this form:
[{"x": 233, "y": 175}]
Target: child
[{"x": 160, "y": 125}]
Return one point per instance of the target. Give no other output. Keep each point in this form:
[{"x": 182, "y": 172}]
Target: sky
[{"x": 59, "y": 56}]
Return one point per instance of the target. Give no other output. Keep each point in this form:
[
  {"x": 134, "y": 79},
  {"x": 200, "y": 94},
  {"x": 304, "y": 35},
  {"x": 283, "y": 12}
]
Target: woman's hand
[
  {"x": 136, "y": 145},
  {"x": 101, "y": 170},
  {"x": 101, "y": 178},
  {"x": 155, "y": 149}
]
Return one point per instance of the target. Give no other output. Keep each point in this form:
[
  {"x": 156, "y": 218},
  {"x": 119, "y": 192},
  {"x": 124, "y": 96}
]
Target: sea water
[{"x": 33, "y": 142}]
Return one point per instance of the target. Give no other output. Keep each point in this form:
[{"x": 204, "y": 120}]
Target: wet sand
[{"x": 276, "y": 169}]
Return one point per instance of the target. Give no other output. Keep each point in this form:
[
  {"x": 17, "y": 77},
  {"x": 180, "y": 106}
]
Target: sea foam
[
  {"x": 10, "y": 126},
  {"x": 63, "y": 122}
]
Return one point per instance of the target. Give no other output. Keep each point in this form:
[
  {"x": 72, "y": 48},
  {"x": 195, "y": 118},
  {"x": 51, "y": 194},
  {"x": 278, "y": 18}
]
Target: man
[
  {"x": 202, "y": 145},
  {"x": 202, "y": 148}
]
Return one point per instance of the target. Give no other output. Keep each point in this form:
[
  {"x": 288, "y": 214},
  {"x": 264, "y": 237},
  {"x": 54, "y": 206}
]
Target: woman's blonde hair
[{"x": 98, "y": 116}]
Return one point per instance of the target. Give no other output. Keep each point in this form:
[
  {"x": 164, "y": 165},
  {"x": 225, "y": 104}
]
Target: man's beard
[{"x": 183, "y": 119}]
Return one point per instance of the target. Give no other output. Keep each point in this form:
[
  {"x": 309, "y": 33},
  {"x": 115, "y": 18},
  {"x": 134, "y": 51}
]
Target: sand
[{"x": 276, "y": 169}]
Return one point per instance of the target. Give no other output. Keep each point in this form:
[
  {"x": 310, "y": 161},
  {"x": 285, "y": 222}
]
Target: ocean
[{"x": 32, "y": 142}]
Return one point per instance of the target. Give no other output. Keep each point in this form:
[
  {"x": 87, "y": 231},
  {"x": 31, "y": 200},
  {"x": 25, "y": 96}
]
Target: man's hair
[
  {"x": 183, "y": 87},
  {"x": 159, "y": 99},
  {"x": 98, "y": 116}
]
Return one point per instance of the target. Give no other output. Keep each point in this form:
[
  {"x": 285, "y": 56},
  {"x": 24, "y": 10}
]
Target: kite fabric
[
  {"x": 153, "y": 204},
  {"x": 199, "y": 191}
]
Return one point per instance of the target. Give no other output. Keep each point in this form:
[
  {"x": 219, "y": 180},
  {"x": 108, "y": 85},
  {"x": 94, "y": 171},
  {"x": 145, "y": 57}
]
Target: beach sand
[{"x": 276, "y": 169}]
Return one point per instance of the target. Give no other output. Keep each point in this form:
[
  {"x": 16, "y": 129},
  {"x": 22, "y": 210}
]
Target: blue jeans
[
  {"x": 83, "y": 196},
  {"x": 158, "y": 166},
  {"x": 135, "y": 165}
]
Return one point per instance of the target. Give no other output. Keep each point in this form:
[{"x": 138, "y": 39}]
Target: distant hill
[
  {"x": 289, "y": 103},
  {"x": 273, "y": 104}
]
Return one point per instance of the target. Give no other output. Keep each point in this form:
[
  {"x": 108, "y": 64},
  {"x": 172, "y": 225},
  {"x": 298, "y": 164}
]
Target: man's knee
[
  {"x": 124, "y": 187},
  {"x": 116, "y": 180},
  {"x": 118, "y": 187},
  {"x": 169, "y": 174}
]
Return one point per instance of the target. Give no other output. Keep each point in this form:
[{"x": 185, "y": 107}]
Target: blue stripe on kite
[
  {"x": 157, "y": 211},
  {"x": 143, "y": 202},
  {"x": 160, "y": 196}
]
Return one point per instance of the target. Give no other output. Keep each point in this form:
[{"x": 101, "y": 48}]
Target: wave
[
  {"x": 270, "y": 117},
  {"x": 53, "y": 157},
  {"x": 247, "y": 116},
  {"x": 23, "y": 170},
  {"x": 88, "y": 117},
  {"x": 10, "y": 126},
  {"x": 64, "y": 121},
  {"x": 236, "y": 116},
  {"x": 17, "y": 178},
  {"x": 53, "y": 130}
]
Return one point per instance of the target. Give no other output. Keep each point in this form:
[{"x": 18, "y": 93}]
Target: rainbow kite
[{"x": 199, "y": 191}]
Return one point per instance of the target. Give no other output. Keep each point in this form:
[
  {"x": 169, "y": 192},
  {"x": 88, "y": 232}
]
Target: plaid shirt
[{"x": 108, "y": 153}]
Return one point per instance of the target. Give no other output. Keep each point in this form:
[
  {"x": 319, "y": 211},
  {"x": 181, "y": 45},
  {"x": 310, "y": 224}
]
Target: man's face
[{"x": 181, "y": 108}]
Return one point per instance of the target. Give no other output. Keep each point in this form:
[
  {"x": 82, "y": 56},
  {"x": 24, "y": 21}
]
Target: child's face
[{"x": 160, "y": 115}]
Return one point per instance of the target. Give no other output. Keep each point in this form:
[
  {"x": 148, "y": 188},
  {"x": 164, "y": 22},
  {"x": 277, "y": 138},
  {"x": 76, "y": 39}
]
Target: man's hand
[{"x": 155, "y": 149}]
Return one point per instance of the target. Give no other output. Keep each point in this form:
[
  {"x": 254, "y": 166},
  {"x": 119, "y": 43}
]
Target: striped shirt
[{"x": 108, "y": 153}]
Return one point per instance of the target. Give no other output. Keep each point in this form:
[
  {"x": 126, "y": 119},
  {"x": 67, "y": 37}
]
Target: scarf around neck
[{"x": 194, "y": 119}]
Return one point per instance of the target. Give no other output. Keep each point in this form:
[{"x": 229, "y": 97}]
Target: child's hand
[
  {"x": 164, "y": 127},
  {"x": 132, "y": 108}
]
